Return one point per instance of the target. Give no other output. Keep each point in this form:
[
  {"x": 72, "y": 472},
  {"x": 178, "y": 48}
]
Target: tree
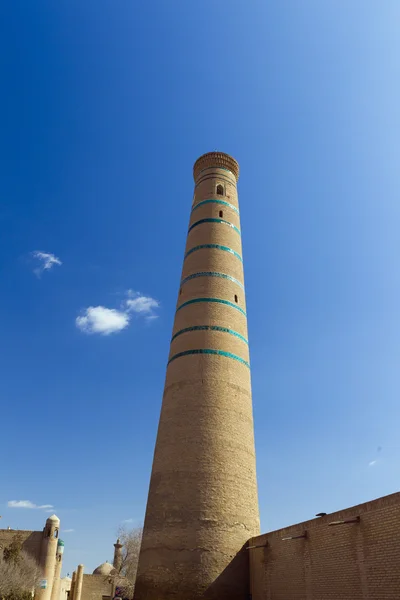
[
  {"x": 130, "y": 540},
  {"x": 12, "y": 553},
  {"x": 19, "y": 572}
]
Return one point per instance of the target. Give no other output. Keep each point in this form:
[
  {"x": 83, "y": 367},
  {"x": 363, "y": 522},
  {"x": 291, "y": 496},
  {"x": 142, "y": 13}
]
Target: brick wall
[
  {"x": 32, "y": 540},
  {"x": 355, "y": 561},
  {"x": 94, "y": 587},
  {"x": 65, "y": 587},
  {"x": 97, "y": 587}
]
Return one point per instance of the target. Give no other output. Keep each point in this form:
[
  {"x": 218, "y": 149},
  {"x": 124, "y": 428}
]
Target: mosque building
[{"x": 105, "y": 583}]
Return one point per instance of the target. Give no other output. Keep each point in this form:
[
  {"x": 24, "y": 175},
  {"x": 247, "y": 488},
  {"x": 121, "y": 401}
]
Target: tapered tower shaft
[
  {"x": 117, "y": 562},
  {"x": 48, "y": 557},
  {"x": 202, "y": 505}
]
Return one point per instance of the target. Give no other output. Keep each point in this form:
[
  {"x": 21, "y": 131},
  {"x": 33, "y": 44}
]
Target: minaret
[
  {"x": 117, "y": 562},
  {"x": 78, "y": 582},
  {"x": 55, "y": 592},
  {"x": 202, "y": 505},
  {"x": 72, "y": 588},
  {"x": 48, "y": 556}
]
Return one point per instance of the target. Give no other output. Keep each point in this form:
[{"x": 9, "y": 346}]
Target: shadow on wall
[
  {"x": 32, "y": 544},
  {"x": 231, "y": 584},
  {"x": 228, "y": 584}
]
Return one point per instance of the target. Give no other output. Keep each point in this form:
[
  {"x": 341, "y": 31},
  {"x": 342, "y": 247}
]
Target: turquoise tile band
[
  {"x": 215, "y": 201},
  {"x": 217, "y": 247},
  {"x": 209, "y": 328},
  {"x": 212, "y": 274},
  {"x": 209, "y": 351},
  {"x": 226, "y": 302},
  {"x": 213, "y": 220}
]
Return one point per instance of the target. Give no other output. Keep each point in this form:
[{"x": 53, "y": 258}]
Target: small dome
[
  {"x": 53, "y": 519},
  {"x": 105, "y": 569}
]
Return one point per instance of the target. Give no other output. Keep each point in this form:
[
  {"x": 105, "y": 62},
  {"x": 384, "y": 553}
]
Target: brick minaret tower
[
  {"x": 202, "y": 505},
  {"x": 117, "y": 562},
  {"x": 48, "y": 557}
]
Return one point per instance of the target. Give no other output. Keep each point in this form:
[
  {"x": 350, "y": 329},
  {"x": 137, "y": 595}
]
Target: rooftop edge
[{"x": 218, "y": 160}]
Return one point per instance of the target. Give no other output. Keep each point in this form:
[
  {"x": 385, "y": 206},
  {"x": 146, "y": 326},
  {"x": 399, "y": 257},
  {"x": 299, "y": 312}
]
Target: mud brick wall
[{"x": 354, "y": 561}]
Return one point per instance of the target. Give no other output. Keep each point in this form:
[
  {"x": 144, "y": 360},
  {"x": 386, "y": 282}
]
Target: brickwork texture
[
  {"x": 95, "y": 587},
  {"x": 31, "y": 541},
  {"x": 351, "y": 561},
  {"x": 202, "y": 504},
  {"x": 42, "y": 547}
]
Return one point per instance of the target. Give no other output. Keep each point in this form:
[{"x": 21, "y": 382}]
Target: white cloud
[
  {"x": 68, "y": 530},
  {"x": 99, "y": 319},
  {"x": 46, "y": 261},
  {"x": 28, "y": 504},
  {"x": 142, "y": 305},
  {"x": 102, "y": 320},
  {"x": 372, "y": 463},
  {"x": 128, "y": 521}
]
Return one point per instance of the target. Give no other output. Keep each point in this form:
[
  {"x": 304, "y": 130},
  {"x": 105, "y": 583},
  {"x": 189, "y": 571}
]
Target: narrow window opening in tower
[
  {"x": 236, "y": 298},
  {"x": 221, "y": 214},
  {"x": 220, "y": 190},
  {"x": 180, "y": 291},
  {"x": 55, "y": 533}
]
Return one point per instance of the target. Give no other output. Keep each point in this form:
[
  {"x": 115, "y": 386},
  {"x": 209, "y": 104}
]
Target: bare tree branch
[
  {"x": 19, "y": 572},
  {"x": 131, "y": 540}
]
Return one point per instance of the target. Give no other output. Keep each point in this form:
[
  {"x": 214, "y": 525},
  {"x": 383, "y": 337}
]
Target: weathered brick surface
[
  {"x": 355, "y": 561},
  {"x": 95, "y": 587},
  {"x": 213, "y": 211},
  {"x": 42, "y": 547},
  {"x": 213, "y": 287},
  {"x": 31, "y": 541},
  {"x": 213, "y": 260},
  {"x": 202, "y": 505},
  {"x": 216, "y": 233}
]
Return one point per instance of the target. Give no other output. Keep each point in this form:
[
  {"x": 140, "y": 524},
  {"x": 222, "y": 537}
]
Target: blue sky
[{"x": 105, "y": 107}]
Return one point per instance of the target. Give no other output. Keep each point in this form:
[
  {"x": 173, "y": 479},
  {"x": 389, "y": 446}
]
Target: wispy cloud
[
  {"x": 68, "y": 530},
  {"x": 128, "y": 521},
  {"x": 141, "y": 305},
  {"x": 29, "y": 504},
  {"x": 373, "y": 463},
  {"x": 46, "y": 261},
  {"x": 104, "y": 321}
]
